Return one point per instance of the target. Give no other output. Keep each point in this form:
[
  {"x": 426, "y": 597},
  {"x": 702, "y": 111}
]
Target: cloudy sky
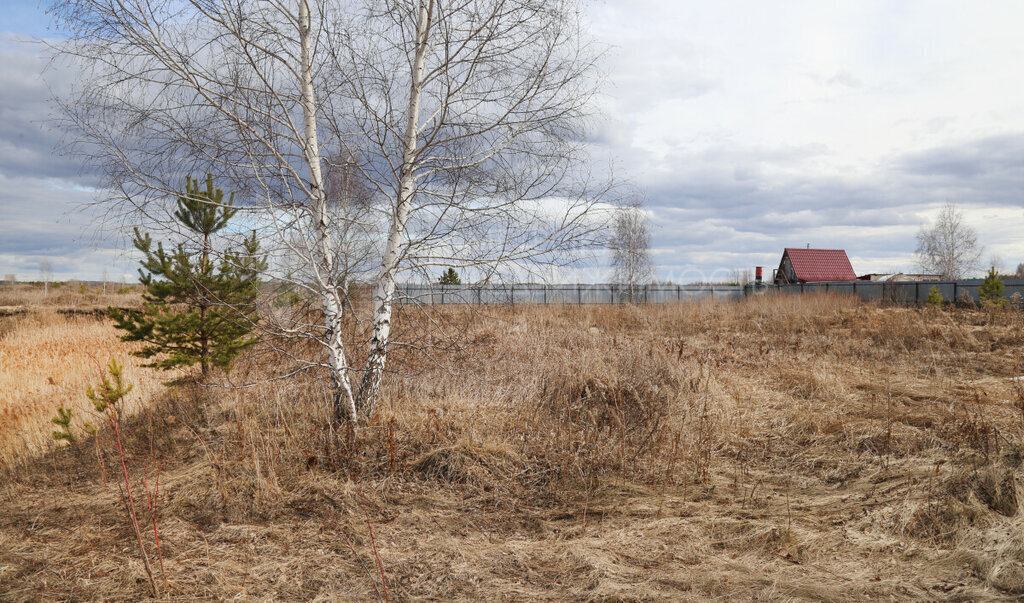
[{"x": 750, "y": 126}]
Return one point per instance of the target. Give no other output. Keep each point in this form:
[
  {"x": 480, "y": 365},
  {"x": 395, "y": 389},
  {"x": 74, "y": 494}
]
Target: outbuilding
[{"x": 801, "y": 265}]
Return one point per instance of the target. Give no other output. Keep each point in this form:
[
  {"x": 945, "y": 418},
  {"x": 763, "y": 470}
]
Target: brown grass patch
[
  {"x": 47, "y": 360},
  {"x": 790, "y": 448}
]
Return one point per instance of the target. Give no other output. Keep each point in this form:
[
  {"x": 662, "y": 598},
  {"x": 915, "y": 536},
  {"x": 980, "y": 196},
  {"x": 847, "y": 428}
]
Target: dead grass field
[
  {"x": 46, "y": 360},
  {"x": 805, "y": 448}
]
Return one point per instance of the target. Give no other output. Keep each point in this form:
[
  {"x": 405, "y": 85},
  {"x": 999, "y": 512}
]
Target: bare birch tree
[
  {"x": 463, "y": 123},
  {"x": 630, "y": 246},
  {"x": 741, "y": 276},
  {"x": 46, "y": 270},
  {"x": 948, "y": 247}
]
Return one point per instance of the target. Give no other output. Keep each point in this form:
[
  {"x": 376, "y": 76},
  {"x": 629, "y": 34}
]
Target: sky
[{"x": 747, "y": 126}]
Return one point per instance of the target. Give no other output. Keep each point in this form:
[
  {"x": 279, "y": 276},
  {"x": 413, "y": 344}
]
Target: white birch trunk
[
  {"x": 499, "y": 97},
  {"x": 383, "y": 297},
  {"x": 343, "y": 402}
]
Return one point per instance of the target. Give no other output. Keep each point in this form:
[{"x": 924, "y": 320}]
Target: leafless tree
[
  {"x": 741, "y": 276},
  {"x": 996, "y": 262},
  {"x": 630, "y": 246},
  {"x": 948, "y": 247},
  {"x": 462, "y": 122},
  {"x": 46, "y": 270},
  {"x": 1020, "y": 271}
]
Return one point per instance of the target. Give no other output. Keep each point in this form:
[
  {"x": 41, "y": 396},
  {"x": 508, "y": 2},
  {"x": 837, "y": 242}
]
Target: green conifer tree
[
  {"x": 992, "y": 288},
  {"x": 196, "y": 310},
  {"x": 63, "y": 421},
  {"x": 934, "y": 296},
  {"x": 109, "y": 393},
  {"x": 450, "y": 278}
]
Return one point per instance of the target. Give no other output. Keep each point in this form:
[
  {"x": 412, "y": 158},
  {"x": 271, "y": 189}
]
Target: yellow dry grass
[
  {"x": 69, "y": 294},
  {"x": 47, "y": 360}
]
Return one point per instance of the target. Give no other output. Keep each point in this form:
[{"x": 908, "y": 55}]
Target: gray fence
[
  {"x": 915, "y": 292},
  {"x": 563, "y": 294},
  {"x": 510, "y": 294}
]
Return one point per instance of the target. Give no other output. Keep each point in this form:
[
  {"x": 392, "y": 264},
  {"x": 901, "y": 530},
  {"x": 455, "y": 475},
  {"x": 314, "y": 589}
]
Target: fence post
[
  {"x": 679, "y": 293},
  {"x": 917, "y": 293},
  {"x": 512, "y": 295},
  {"x": 579, "y": 294},
  {"x": 545, "y": 294},
  {"x": 954, "y": 293}
]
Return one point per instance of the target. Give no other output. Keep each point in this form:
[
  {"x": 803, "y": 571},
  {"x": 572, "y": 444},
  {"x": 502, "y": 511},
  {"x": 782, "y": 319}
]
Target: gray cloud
[
  {"x": 43, "y": 218},
  {"x": 29, "y": 141},
  {"x": 721, "y": 197},
  {"x": 711, "y": 215},
  {"x": 994, "y": 166}
]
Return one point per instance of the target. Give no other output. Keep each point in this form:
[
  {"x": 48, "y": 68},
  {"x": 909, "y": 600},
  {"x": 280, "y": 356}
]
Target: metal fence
[
  {"x": 509, "y": 294},
  {"x": 563, "y": 294},
  {"x": 914, "y": 292}
]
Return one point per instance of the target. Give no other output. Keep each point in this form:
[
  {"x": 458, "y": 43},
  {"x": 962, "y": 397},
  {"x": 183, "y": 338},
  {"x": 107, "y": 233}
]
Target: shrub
[
  {"x": 106, "y": 398},
  {"x": 288, "y": 299}
]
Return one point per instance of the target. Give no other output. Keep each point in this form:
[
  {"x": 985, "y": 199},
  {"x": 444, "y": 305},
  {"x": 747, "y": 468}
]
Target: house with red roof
[{"x": 800, "y": 265}]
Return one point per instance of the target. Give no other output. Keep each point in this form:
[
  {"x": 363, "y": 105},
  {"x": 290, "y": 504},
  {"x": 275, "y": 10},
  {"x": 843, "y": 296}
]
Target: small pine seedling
[
  {"x": 63, "y": 421},
  {"x": 109, "y": 394},
  {"x": 934, "y": 296}
]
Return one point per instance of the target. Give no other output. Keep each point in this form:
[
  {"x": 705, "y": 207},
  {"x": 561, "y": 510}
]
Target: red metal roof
[{"x": 821, "y": 264}]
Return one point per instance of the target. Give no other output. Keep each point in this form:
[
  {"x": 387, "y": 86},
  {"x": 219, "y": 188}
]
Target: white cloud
[
  {"x": 751, "y": 125},
  {"x": 758, "y": 125}
]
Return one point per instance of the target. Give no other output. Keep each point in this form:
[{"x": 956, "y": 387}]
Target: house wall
[{"x": 785, "y": 273}]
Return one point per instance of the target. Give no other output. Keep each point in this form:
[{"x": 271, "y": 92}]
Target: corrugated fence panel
[
  {"x": 913, "y": 292},
  {"x": 560, "y": 294},
  {"x": 892, "y": 292}
]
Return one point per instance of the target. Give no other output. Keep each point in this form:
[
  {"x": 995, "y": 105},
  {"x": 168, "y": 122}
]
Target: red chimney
[{"x": 758, "y": 274}]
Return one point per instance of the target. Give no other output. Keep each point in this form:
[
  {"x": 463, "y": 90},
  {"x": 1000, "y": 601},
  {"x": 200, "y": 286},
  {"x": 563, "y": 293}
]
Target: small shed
[
  {"x": 800, "y": 265},
  {"x": 898, "y": 277}
]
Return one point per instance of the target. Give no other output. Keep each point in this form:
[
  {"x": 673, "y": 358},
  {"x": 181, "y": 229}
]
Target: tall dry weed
[{"x": 595, "y": 415}]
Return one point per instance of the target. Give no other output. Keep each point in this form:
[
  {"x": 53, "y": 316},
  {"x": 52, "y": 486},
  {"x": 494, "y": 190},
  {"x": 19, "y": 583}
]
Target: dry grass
[
  {"x": 46, "y": 361},
  {"x": 798, "y": 448},
  {"x": 67, "y": 295}
]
